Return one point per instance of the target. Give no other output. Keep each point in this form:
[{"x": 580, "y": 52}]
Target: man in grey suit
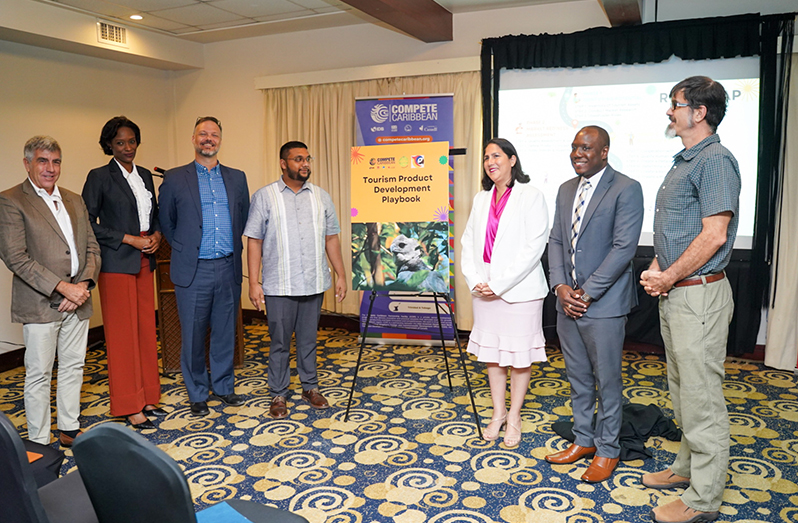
[
  {"x": 46, "y": 240},
  {"x": 597, "y": 222},
  {"x": 203, "y": 210}
]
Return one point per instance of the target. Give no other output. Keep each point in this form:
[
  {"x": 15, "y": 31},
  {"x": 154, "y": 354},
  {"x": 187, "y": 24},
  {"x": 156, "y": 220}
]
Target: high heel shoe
[
  {"x": 512, "y": 440},
  {"x": 154, "y": 411},
  {"x": 489, "y": 435},
  {"x": 146, "y": 424}
]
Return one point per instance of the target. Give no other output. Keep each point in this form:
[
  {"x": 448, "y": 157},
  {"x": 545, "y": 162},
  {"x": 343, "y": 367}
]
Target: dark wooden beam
[
  {"x": 622, "y": 12},
  {"x": 422, "y": 19}
]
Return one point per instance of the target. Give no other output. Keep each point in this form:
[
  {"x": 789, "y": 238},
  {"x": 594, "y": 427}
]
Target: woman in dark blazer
[{"x": 120, "y": 198}]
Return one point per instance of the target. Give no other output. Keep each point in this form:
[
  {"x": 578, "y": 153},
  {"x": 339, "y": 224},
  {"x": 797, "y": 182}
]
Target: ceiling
[{"x": 216, "y": 20}]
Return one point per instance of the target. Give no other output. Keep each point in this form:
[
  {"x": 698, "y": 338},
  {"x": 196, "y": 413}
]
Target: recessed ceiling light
[{"x": 136, "y": 17}]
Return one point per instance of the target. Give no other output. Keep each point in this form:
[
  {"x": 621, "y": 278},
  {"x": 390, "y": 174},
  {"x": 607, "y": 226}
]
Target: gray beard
[{"x": 670, "y": 132}]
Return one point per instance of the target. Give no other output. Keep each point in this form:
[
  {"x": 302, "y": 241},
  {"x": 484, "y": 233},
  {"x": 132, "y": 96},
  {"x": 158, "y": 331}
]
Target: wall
[
  {"x": 70, "y": 97},
  {"x": 225, "y": 87}
]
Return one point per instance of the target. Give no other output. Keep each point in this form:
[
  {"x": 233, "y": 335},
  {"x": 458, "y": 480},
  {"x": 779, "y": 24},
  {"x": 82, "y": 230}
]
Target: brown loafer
[
  {"x": 600, "y": 469},
  {"x": 678, "y": 512},
  {"x": 278, "y": 410},
  {"x": 67, "y": 441},
  {"x": 571, "y": 455},
  {"x": 314, "y": 397},
  {"x": 665, "y": 479}
]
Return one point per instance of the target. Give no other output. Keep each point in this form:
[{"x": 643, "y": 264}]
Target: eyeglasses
[
  {"x": 301, "y": 159},
  {"x": 675, "y": 105},
  {"x": 201, "y": 119}
]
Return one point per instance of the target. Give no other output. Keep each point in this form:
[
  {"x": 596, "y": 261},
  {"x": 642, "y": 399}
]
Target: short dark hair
[
  {"x": 112, "y": 127},
  {"x": 604, "y": 136},
  {"x": 208, "y": 119},
  {"x": 517, "y": 173},
  {"x": 701, "y": 90},
  {"x": 287, "y": 146}
]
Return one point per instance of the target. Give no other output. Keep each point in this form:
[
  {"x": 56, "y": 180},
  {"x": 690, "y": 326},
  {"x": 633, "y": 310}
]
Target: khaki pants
[
  {"x": 695, "y": 327},
  {"x": 67, "y": 338}
]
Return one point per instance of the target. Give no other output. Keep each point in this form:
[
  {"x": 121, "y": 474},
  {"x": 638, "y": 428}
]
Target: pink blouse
[{"x": 494, "y": 215}]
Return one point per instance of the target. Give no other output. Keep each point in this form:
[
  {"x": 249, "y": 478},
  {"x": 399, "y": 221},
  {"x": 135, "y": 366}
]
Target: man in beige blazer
[{"x": 46, "y": 240}]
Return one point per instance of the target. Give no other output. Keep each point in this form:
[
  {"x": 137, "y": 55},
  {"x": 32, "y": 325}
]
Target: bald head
[
  {"x": 589, "y": 150},
  {"x": 603, "y": 136}
]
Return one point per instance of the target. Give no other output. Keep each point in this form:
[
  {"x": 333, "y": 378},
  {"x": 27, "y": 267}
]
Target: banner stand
[{"x": 436, "y": 296}]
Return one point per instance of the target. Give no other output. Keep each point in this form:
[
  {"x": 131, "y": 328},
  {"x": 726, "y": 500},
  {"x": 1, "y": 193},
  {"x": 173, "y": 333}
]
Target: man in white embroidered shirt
[
  {"x": 291, "y": 225},
  {"x": 47, "y": 242}
]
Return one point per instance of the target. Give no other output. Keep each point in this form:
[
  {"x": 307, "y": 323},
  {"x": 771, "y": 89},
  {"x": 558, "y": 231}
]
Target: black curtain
[
  {"x": 700, "y": 39},
  {"x": 706, "y": 38},
  {"x": 774, "y": 91}
]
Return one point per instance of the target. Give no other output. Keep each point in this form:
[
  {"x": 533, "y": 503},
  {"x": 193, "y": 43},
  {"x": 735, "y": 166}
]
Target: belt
[{"x": 698, "y": 280}]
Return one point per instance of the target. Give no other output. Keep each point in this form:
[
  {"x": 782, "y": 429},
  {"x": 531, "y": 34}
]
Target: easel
[{"x": 436, "y": 296}]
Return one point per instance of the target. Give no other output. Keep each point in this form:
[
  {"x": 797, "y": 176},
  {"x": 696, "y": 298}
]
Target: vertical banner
[{"x": 404, "y": 221}]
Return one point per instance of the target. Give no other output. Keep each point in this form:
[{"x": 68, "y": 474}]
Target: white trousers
[{"x": 67, "y": 338}]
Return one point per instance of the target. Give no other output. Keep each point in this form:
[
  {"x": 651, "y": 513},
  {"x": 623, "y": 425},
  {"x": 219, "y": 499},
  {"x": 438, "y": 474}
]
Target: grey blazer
[
  {"x": 606, "y": 245},
  {"x": 33, "y": 247}
]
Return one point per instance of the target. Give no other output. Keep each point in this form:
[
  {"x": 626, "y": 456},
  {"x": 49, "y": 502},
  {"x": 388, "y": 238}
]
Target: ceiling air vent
[{"x": 108, "y": 33}]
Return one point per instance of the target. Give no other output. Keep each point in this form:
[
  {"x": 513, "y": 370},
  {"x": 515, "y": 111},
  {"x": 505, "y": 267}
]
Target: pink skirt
[{"x": 509, "y": 334}]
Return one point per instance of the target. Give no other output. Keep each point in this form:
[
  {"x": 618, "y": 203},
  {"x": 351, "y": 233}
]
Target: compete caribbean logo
[{"x": 379, "y": 113}]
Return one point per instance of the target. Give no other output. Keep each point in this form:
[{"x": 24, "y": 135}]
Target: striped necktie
[{"x": 576, "y": 224}]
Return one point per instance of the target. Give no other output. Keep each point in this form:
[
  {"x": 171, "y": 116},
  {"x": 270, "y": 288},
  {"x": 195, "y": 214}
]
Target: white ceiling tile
[
  {"x": 254, "y": 8},
  {"x": 197, "y": 14},
  {"x": 100, "y": 8},
  {"x": 185, "y": 30},
  {"x": 153, "y": 5},
  {"x": 155, "y": 22},
  {"x": 225, "y": 25},
  {"x": 331, "y": 9},
  {"x": 321, "y": 4},
  {"x": 285, "y": 16}
]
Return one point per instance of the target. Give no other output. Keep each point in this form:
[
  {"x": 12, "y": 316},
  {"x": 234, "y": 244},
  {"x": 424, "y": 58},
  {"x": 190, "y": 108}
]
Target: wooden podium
[{"x": 169, "y": 321}]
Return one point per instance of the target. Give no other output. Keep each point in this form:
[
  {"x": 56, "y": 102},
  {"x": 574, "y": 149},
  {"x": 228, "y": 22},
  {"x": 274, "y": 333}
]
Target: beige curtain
[
  {"x": 323, "y": 116},
  {"x": 781, "y": 349}
]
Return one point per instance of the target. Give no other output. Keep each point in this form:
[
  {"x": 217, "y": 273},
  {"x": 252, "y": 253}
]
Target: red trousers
[{"x": 128, "y": 304}]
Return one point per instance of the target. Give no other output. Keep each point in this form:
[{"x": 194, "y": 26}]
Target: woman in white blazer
[{"x": 502, "y": 245}]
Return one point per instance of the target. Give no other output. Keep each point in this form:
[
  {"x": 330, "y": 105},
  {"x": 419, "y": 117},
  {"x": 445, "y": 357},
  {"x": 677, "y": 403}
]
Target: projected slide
[{"x": 542, "y": 123}]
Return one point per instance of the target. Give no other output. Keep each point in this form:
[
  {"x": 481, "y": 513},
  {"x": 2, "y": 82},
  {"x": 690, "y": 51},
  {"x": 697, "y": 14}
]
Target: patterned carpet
[{"x": 409, "y": 452}]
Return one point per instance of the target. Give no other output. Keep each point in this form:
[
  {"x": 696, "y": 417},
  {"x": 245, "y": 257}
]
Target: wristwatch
[{"x": 586, "y": 298}]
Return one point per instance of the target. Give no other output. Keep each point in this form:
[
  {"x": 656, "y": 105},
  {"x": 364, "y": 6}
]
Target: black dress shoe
[
  {"x": 200, "y": 408},
  {"x": 146, "y": 424},
  {"x": 233, "y": 399},
  {"x": 157, "y": 412}
]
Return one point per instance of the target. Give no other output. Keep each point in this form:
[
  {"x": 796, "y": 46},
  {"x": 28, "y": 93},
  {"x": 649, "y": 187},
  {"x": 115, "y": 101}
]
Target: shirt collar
[
  {"x": 202, "y": 170},
  {"x": 41, "y": 192},
  {"x": 124, "y": 171},
  {"x": 282, "y": 186},
  {"x": 595, "y": 179},
  {"x": 692, "y": 152}
]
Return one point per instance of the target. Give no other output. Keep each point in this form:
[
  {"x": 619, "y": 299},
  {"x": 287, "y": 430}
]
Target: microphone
[{"x": 159, "y": 170}]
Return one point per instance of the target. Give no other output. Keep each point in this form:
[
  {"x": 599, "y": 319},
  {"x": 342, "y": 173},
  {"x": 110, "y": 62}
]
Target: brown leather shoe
[
  {"x": 278, "y": 410},
  {"x": 314, "y": 397},
  {"x": 571, "y": 455},
  {"x": 678, "y": 512},
  {"x": 665, "y": 479},
  {"x": 600, "y": 469},
  {"x": 67, "y": 441}
]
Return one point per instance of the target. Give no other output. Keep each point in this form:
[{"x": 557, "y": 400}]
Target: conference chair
[
  {"x": 61, "y": 501},
  {"x": 130, "y": 480}
]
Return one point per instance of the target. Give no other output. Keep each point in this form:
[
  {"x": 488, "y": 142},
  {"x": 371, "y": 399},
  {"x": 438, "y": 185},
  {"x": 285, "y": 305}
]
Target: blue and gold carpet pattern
[{"x": 410, "y": 453}]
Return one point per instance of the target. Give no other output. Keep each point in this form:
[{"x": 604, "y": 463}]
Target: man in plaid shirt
[{"x": 695, "y": 225}]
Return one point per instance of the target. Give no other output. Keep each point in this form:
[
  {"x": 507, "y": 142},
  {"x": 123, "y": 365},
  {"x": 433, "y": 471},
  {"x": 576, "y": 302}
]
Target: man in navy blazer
[
  {"x": 597, "y": 222},
  {"x": 203, "y": 210}
]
